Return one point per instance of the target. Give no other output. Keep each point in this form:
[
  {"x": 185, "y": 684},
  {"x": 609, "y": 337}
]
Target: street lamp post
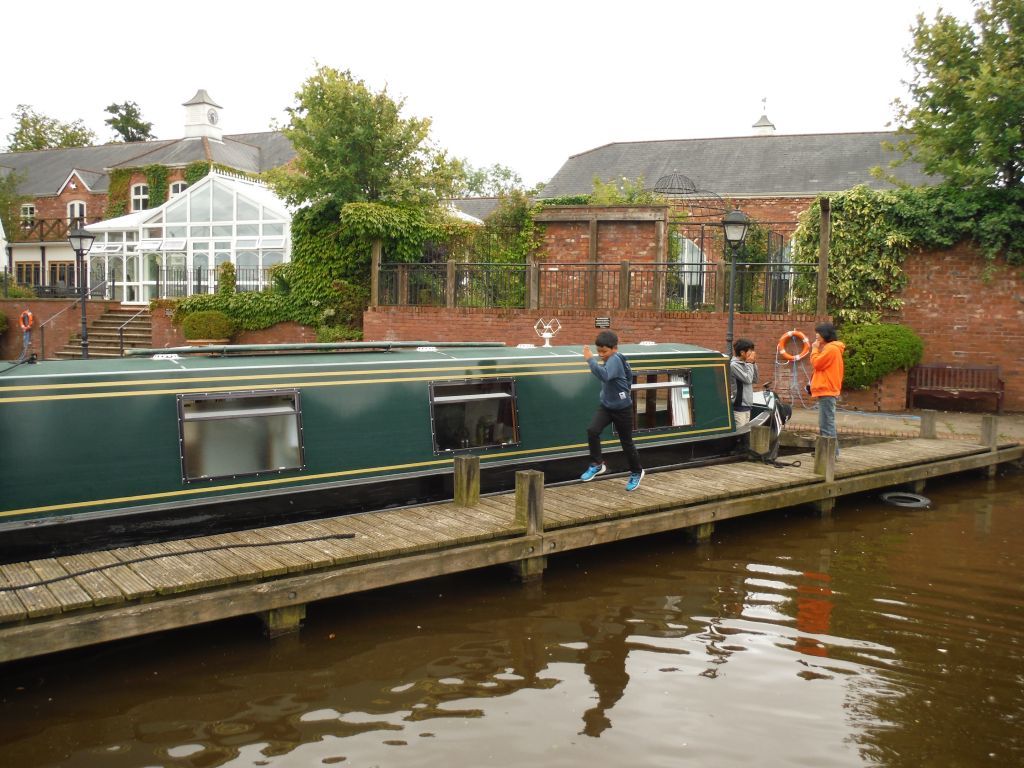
[
  {"x": 735, "y": 224},
  {"x": 81, "y": 242}
]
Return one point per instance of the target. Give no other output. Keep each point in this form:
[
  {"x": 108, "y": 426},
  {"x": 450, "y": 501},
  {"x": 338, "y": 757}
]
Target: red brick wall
[
  {"x": 965, "y": 318},
  {"x": 167, "y": 335},
  {"x": 58, "y": 332},
  {"x": 515, "y": 326}
]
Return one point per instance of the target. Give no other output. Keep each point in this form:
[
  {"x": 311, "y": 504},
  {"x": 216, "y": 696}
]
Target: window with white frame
[
  {"x": 76, "y": 213},
  {"x": 28, "y": 215},
  {"x": 661, "y": 399},
  {"x": 177, "y": 187},
  {"x": 140, "y": 197}
]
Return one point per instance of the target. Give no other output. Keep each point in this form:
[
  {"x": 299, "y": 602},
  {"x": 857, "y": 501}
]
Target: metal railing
[
  {"x": 51, "y": 318},
  {"x": 120, "y": 328},
  {"x": 761, "y": 287}
]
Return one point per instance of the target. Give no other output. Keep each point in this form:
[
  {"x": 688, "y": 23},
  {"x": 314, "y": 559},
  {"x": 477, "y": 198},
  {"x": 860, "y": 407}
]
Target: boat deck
[{"x": 66, "y": 602}]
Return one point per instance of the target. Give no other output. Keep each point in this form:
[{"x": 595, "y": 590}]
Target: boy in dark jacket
[{"x": 616, "y": 407}]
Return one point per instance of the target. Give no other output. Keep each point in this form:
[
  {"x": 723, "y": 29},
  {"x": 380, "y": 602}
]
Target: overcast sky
[{"x": 522, "y": 83}]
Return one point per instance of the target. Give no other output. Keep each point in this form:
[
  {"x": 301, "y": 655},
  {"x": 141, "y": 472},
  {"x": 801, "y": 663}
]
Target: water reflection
[{"x": 880, "y": 636}]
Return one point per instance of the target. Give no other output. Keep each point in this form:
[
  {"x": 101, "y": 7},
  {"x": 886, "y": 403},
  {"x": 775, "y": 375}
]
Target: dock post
[
  {"x": 283, "y": 621},
  {"x": 530, "y": 515},
  {"x": 825, "y": 465},
  {"x": 467, "y": 481},
  {"x": 928, "y": 425},
  {"x": 990, "y": 439},
  {"x": 699, "y": 533},
  {"x": 760, "y": 440}
]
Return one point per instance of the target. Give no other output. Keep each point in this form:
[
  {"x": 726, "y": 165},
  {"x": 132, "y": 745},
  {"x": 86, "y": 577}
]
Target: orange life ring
[
  {"x": 26, "y": 320},
  {"x": 793, "y": 335}
]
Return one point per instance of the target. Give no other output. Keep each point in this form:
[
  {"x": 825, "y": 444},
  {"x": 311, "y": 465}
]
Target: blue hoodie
[{"x": 615, "y": 386}]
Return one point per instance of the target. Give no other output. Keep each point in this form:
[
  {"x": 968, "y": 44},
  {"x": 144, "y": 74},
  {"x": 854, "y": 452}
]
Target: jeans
[
  {"x": 623, "y": 421},
  {"x": 827, "y": 419}
]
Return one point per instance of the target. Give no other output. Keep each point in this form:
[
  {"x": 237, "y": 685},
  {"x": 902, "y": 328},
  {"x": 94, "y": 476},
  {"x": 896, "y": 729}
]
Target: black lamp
[
  {"x": 735, "y": 225},
  {"x": 81, "y": 241}
]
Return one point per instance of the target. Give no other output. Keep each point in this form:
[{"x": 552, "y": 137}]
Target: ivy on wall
[{"x": 872, "y": 232}]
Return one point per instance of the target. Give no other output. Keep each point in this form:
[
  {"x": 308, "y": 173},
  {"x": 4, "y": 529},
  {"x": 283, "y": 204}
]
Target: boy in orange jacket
[{"x": 827, "y": 379}]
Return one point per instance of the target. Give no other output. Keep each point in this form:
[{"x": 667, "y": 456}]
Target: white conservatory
[{"x": 175, "y": 250}]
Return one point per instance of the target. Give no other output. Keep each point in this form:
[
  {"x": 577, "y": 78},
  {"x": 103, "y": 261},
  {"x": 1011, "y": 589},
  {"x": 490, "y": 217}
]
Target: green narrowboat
[{"x": 224, "y": 436}]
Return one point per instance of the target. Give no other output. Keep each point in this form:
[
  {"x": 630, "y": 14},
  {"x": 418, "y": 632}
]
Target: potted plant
[{"x": 208, "y": 327}]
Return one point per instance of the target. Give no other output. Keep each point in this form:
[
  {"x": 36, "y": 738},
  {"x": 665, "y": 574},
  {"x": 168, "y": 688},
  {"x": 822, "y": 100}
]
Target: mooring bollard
[
  {"x": 530, "y": 516},
  {"x": 467, "y": 481}
]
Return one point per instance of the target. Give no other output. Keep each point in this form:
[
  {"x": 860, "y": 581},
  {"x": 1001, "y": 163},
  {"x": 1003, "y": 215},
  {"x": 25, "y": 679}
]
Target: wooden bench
[{"x": 956, "y": 381}]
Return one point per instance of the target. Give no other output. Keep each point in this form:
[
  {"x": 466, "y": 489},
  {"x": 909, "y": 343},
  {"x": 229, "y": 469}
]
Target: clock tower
[{"x": 202, "y": 117}]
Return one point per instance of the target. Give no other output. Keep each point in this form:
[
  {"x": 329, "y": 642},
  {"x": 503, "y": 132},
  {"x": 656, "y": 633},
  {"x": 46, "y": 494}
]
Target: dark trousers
[{"x": 623, "y": 421}]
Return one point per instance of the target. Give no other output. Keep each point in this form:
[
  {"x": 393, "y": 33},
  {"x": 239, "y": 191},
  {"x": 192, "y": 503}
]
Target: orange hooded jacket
[{"x": 827, "y": 362}]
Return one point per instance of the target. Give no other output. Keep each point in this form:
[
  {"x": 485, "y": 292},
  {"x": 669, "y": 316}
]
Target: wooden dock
[{"x": 68, "y": 602}]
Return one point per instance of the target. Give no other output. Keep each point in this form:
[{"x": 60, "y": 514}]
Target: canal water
[{"x": 882, "y": 636}]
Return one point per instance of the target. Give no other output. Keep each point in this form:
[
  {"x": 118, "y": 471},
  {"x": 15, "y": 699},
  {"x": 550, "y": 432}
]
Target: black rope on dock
[{"x": 146, "y": 558}]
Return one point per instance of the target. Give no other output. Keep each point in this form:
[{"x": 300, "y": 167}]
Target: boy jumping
[{"x": 616, "y": 407}]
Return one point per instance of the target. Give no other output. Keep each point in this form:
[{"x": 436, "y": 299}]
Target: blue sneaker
[
  {"x": 593, "y": 471},
  {"x": 634, "y": 480}
]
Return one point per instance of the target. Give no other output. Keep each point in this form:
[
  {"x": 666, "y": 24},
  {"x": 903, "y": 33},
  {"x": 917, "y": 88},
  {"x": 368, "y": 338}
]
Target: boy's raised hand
[{"x": 587, "y": 354}]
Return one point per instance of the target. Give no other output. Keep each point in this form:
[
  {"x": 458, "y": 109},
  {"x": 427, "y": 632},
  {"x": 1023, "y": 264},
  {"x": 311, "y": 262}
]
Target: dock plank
[
  {"x": 62, "y": 586},
  {"x": 38, "y": 600},
  {"x": 131, "y": 585}
]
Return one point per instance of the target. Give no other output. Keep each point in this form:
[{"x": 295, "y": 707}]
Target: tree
[
  {"x": 352, "y": 145},
  {"x": 10, "y": 200},
  {"x": 35, "y": 131},
  {"x": 967, "y": 97},
  {"x": 494, "y": 181},
  {"x": 127, "y": 122}
]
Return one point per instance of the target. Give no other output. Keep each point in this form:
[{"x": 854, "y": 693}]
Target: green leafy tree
[
  {"x": 353, "y": 145},
  {"x": 127, "y": 123},
  {"x": 963, "y": 120},
  {"x": 35, "y": 131},
  {"x": 494, "y": 181},
  {"x": 10, "y": 200}
]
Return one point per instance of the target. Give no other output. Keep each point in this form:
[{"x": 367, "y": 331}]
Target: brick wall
[
  {"x": 167, "y": 335},
  {"x": 58, "y": 331},
  {"x": 966, "y": 317}
]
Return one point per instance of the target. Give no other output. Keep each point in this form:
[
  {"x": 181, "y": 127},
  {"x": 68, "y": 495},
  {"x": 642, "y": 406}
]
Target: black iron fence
[{"x": 774, "y": 287}]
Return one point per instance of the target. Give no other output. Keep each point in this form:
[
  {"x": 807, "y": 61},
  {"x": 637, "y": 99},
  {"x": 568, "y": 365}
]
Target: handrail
[
  {"x": 51, "y": 318},
  {"x": 120, "y": 330},
  {"x": 383, "y": 346}
]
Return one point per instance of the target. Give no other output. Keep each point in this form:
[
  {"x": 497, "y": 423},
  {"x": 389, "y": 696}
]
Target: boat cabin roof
[{"x": 268, "y": 357}]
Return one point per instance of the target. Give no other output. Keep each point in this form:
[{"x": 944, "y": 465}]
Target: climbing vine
[
  {"x": 873, "y": 231},
  {"x": 156, "y": 178}
]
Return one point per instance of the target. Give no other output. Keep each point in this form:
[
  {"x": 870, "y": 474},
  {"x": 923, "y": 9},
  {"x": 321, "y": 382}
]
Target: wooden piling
[
  {"x": 467, "y": 481},
  {"x": 530, "y": 516},
  {"x": 928, "y": 425},
  {"x": 825, "y": 465},
  {"x": 283, "y": 621},
  {"x": 990, "y": 438}
]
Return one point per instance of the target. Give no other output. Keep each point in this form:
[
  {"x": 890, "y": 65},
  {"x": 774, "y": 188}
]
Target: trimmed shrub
[
  {"x": 210, "y": 324},
  {"x": 874, "y": 350},
  {"x": 332, "y": 334},
  {"x": 3, "y": 323}
]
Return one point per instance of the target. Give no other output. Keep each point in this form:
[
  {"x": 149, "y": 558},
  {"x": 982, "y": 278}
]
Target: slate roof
[
  {"x": 477, "y": 207},
  {"x": 743, "y": 166},
  {"x": 44, "y": 171}
]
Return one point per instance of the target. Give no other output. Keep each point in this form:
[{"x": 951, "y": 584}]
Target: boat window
[
  {"x": 468, "y": 415},
  {"x": 661, "y": 399},
  {"x": 246, "y": 433}
]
